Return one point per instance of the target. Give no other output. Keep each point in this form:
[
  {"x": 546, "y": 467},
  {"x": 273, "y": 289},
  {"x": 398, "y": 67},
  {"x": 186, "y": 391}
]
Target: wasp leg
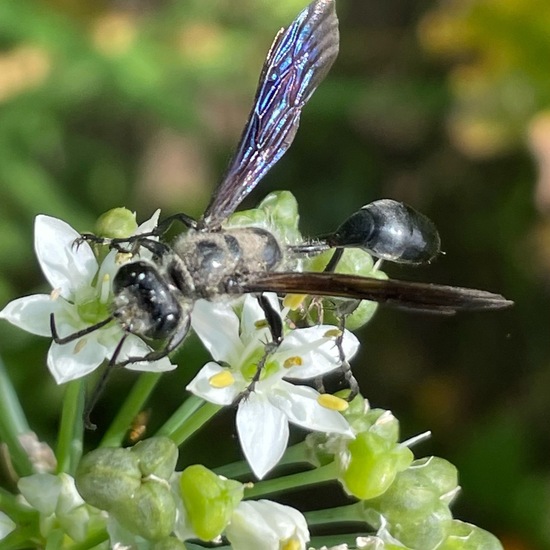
[
  {"x": 275, "y": 325},
  {"x": 345, "y": 367},
  {"x": 346, "y": 308},
  {"x": 175, "y": 340},
  {"x": 132, "y": 244},
  {"x": 100, "y": 386},
  {"x": 75, "y": 335}
]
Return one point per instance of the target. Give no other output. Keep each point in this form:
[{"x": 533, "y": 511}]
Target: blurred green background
[{"x": 444, "y": 105}]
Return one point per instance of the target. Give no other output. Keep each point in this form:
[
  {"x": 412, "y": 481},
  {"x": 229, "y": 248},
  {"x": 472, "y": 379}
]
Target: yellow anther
[
  {"x": 79, "y": 345},
  {"x": 293, "y": 301},
  {"x": 291, "y": 544},
  {"x": 295, "y": 361},
  {"x": 333, "y": 333},
  {"x": 123, "y": 257},
  {"x": 55, "y": 294},
  {"x": 261, "y": 324},
  {"x": 222, "y": 379},
  {"x": 105, "y": 289},
  {"x": 332, "y": 402}
]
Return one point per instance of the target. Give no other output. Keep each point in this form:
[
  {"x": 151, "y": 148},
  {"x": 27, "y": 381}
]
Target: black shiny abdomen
[{"x": 390, "y": 230}]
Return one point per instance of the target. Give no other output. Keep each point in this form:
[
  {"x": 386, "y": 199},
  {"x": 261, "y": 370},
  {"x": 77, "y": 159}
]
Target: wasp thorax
[
  {"x": 143, "y": 302},
  {"x": 390, "y": 230}
]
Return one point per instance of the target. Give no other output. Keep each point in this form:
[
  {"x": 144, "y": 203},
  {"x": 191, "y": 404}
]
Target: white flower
[
  {"x": 80, "y": 298},
  {"x": 266, "y": 525},
  {"x": 263, "y": 415},
  {"x": 58, "y": 502},
  {"x": 6, "y": 525}
]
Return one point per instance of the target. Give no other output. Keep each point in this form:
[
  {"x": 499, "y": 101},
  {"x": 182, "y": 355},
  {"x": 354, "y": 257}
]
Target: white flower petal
[
  {"x": 249, "y": 529},
  {"x": 266, "y": 525},
  {"x": 319, "y": 354},
  {"x": 135, "y": 347},
  {"x": 217, "y": 325},
  {"x": 150, "y": 224},
  {"x": 263, "y": 433},
  {"x": 6, "y": 525},
  {"x": 65, "y": 266},
  {"x": 32, "y": 313},
  {"x": 41, "y": 491},
  {"x": 252, "y": 313},
  {"x": 302, "y": 408},
  {"x": 76, "y": 359},
  {"x": 200, "y": 386}
]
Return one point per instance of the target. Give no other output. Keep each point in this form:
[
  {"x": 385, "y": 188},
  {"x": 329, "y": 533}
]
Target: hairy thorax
[{"x": 205, "y": 263}]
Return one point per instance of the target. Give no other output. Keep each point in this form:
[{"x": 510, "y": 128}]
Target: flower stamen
[
  {"x": 222, "y": 379},
  {"x": 105, "y": 289},
  {"x": 332, "y": 402},
  {"x": 295, "y": 361},
  {"x": 294, "y": 301},
  {"x": 291, "y": 544},
  {"x": 79, "y": 346},
  {"x": 333, "y": 333},
  {"x": 55, "y": 294}
]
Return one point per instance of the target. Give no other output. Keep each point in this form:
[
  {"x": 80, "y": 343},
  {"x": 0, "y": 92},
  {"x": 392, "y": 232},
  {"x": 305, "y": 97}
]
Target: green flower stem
[
  {"x": 23, "y": 537},
  {"x": 19, "y": 513},
  {"x": 234, "y": 470},
  {"x": 293, "y": 455},
  {"x": 189, "y": 418},
  {"x": 131, "y": 407},
  {"x": 340, "y": 514},
  {"x": 54, "y": 540},
  {"x": 294, "y": 481},
  {"x": 69, "y": 442},
  {"x": 13, "y": 423},
  {"x": 92, "y": 540}
]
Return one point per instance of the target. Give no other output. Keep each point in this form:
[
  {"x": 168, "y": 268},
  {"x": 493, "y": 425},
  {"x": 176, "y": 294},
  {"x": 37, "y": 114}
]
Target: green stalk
[
  {"x": 188, "y": 419},
  {"x": 71, "y": 430},
  {"x": 293, "y": 481},
  {"x": 12, "y": 507},
  {"x": 341, "y": 514},
  {"x": 293, "y": 455},
  {"x": 131, "y": 407},
  {"x": 13, "y": 423},
  {"x": 92, "y": 540}
]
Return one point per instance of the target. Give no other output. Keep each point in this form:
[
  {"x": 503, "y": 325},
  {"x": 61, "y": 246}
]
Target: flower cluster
[
  {"x": 80, "y": 297},
  {"x": 136, "y": 497}
]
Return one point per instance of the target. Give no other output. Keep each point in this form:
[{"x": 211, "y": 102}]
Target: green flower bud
[
  {"x": 157, "y": 456},
  {"x": 354, "y": 262},
  {"x": 425, "y": 532},
  {"x": 372, "y": 464},
  {"x": 464, "y": 536},
  {"x": 378, "y": 421},
  {"x": 440, "y": 474},
  {"x": 408, "y": 499},
  {"x": 151, "y": 513},
  {"x": 209, "y": 500},
  {"x": 282, "y": 207},
  {"x": 278, "y": 212},
  {"x": 108, "y": 476},
  {"x": 117, "y": 223},
  {"x": 132, "y": 485}
]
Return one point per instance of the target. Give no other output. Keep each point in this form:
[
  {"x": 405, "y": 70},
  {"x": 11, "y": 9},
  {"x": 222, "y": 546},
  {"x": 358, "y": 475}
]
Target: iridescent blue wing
[{"x": 297, "y": 62}]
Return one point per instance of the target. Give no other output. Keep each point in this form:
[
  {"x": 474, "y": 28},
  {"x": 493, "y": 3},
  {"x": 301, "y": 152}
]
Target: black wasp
[{"x": 154, "y": 299}]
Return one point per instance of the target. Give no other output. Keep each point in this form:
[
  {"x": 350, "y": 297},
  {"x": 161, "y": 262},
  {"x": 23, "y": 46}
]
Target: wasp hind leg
[{"x": 275, "y": 325}]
